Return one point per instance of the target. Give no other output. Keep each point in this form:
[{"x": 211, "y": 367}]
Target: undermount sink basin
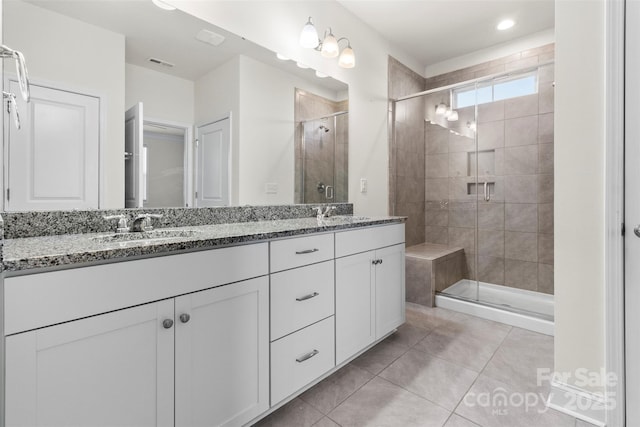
[{"x": 145, "y": 236}]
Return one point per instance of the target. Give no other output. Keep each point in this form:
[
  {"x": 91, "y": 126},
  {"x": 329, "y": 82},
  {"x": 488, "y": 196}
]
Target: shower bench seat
[{"x": 430, "y": 268}]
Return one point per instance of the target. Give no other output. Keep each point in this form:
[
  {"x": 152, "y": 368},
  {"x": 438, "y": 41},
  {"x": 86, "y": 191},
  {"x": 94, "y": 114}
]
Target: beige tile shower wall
[
  {"x": 514, "y": 240},
  {"x": 406, "y": 154},
  {"x": 311, "y": 106}
]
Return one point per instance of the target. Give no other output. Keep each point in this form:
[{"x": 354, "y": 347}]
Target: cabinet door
[
  {"x": 222, "y": 354},
  {"x": 114, "y": 369},
  {"x": 390, "y": 303},
  {"x": 355, "y": 303}
]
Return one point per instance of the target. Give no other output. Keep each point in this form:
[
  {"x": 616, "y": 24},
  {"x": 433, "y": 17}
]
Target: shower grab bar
[
  {"x": 21, "y": 70},
  {"x": 12, "y": 107}
]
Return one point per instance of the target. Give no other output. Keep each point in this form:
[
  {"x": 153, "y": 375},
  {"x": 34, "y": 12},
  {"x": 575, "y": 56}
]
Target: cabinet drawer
[
  {"x": 300, "y": 297},
  {"x": 299, "y": 251},
  {"x": 366, "y": 239},
  {"x": 300, "y": 358}
]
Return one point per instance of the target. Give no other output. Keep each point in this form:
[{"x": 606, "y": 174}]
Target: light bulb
[
  {"x": 441, "y": 108},
  {"x": 330, "y": 47},
  {"x": 347, "y": 58},
  {"x": 309, "y": 36},
  {"x": 453, "y": 116}
]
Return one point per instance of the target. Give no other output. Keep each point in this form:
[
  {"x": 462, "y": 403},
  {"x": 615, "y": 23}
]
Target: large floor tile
[
  {"x": 408, "y": 335},
  {"x": 330, "y": 392},
  {"x": 380, "y": 356},
  {"x": 493, "y": 403},
  {"x": 458, "y": 421},
  {"x": 519, "y": 358},
  {"x": 382, "y": 404},
  {"x": 467, "y": 341},
  {"x": 426, "y": 317},
  {"x": 326, "y": 422},
  {"x": 441, "y": 382},
  {"x": 296, "y": 413}
]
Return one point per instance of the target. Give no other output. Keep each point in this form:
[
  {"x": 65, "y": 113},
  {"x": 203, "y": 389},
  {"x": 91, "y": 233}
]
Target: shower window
[{"x": 497, "y": 90}]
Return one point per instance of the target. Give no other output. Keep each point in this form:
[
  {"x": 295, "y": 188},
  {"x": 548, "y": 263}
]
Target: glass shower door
[{"x": 319, "y": 153}]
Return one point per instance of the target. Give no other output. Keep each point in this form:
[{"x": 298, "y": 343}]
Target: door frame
[
  {"x": 614, "y": 209},
  {"x": 102, "y": 120},
  {"x": 188, "y": 159}
]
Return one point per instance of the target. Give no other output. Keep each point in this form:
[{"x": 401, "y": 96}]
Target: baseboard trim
[{"x": 578, "y": 403}]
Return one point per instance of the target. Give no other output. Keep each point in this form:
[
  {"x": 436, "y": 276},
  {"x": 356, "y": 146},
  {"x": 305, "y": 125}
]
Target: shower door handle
[
  {"x": 328, "y": 192},
  {"x": 636, "y": 230},
  {"x": 487, "y": 192}
]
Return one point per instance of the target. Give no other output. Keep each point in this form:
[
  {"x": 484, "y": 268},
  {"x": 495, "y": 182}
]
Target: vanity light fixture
[
  {"x": 505, "y": 24},
  {"x": 329, "y": 46},
  {"x": 163, "y": 5},
  {"x": 309, "y": 36}
]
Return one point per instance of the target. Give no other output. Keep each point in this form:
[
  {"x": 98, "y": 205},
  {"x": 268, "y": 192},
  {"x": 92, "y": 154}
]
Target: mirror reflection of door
[
  {"x": 212, "y": 154},
  {"x": 52, "y": 162},
  {"x": 158, "y": 169}
]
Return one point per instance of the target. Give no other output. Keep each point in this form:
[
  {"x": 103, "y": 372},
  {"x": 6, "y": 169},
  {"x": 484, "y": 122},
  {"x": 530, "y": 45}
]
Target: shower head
[{"x": 324, "y": 128}]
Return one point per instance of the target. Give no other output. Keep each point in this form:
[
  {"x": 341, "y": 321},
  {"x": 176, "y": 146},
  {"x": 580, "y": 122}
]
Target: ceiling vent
[
  {"x": 161, "y": 62},
  {"x": 210, "y": 37}
]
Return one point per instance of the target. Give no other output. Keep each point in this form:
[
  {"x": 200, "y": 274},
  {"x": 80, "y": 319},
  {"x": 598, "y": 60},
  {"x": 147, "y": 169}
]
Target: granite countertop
[{"x": 67, "y": 250}]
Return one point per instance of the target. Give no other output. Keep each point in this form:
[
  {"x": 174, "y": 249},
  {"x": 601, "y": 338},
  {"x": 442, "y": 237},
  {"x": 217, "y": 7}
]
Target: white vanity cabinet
[
  {"x": 370, "y": 295},
  {"x": 118, "y": 368}
]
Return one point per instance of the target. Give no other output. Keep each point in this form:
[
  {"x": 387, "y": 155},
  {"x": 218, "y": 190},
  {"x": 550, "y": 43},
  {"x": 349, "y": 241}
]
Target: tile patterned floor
[{"x": 440, "y": 369}]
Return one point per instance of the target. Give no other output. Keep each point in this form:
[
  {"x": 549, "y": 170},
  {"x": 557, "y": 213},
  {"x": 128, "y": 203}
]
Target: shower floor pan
[{"x": 515, "y": 307}]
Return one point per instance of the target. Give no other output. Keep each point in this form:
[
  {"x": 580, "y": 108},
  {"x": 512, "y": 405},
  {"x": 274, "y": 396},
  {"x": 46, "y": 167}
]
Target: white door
[
  {"x": 632, "y": 213},
  {"x": 53, "y": 160},
  {"x": 390, "y": 301},
  {"x": 134, "y": 157},
  {"x": 222, "y": 354},
  {"x": 114, "y": 369},
  {"x": 355, "y": 304},
  {"x": 212, "y": 160}
]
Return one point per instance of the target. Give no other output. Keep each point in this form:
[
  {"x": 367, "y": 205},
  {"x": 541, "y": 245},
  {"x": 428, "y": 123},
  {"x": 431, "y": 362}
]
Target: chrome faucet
[
  {"x": 328, "y": 211},
  {"x": 122, "y": 222},
  {"x": 143, "y": 222}
]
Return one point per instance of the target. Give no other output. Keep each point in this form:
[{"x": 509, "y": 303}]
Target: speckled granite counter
[{"x": 66, "y": 250}]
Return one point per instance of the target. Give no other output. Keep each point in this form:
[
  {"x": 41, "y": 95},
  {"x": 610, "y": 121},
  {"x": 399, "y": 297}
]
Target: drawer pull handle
[
  {"x": 307, "y": 356},
  {"x": 306, "y": 297},
  {"x": 307, "y": 251}
]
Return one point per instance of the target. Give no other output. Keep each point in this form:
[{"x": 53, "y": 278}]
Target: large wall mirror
[{"x": 136, "y": 106}]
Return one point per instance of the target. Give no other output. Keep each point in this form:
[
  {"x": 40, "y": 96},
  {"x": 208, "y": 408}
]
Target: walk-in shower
[
  {"x": 487, "y": 146},
  {"x": 323, "y": 159}
]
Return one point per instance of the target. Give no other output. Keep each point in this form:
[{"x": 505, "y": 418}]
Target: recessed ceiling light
[
  {"x": 321, "y": 75},
  {"x": 505, "y": 24},
  {"x": 281, "y": 57},
  {"x": 301, "y": 65},
  {"x": 210, "y": 37},
  {"x": 163, "y": 5}
]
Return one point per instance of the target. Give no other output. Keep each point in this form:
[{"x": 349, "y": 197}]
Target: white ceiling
[
  {"x": 170, "y": 36},
  {"x": 432, "y": 31}
]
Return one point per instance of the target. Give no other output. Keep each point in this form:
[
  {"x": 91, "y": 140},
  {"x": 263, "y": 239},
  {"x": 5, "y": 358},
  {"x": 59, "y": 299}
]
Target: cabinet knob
[
  {"x": 167, "y": 323},
  {"x": 184, "y": 317}
]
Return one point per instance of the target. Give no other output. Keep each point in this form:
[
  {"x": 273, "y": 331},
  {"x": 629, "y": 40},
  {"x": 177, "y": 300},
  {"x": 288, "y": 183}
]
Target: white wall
[
  {"x": 276, "y": 25},
  {"x": 164, "y": 97},
  {"x": 51, "y": 43},
  {"x": 579, "y": 186}
]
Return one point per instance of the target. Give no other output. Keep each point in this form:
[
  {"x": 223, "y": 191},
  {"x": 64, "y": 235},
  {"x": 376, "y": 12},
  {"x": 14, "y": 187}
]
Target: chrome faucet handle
[
  {"x": 122, "y": 222},
  {"x": 319, "y": 213},
  {"x": 329, "y": 210},
  {"x": 143, "y": 222}
]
